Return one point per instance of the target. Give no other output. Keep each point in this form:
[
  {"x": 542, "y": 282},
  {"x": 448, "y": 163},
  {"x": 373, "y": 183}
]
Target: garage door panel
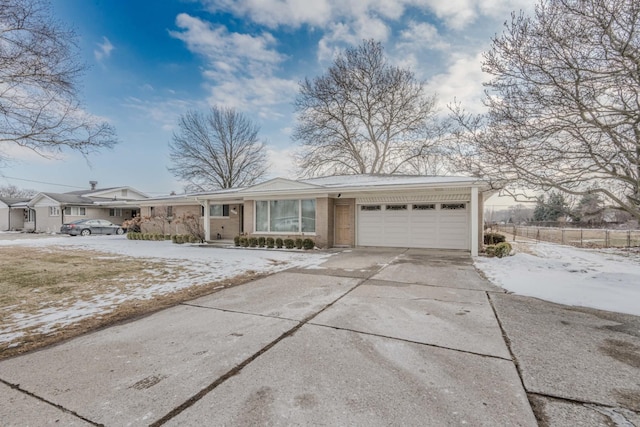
[{"x": 429, "y": 227}]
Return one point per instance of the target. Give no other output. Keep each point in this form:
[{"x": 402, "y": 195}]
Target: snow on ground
[
  {"x": 568, "y": 275},
  {"x": 201, "y": 265}
]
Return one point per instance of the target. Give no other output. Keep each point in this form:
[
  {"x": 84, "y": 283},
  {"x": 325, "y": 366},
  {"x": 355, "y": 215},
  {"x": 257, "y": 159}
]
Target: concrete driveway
[{"x": 373, "y": 336}]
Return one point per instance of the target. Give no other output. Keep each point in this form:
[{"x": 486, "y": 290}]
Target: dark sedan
[{"x": 86, "y": 227}]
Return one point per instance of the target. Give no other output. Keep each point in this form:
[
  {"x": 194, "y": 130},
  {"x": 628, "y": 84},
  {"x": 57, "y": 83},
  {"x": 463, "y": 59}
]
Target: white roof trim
[{"x": 279, "y": 185}]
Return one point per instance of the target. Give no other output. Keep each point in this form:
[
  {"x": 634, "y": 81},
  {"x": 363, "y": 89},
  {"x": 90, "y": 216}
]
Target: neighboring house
[
  {"x": 343, "y": 211},
  {"x": 12, "y": 213},
  {"x": 46, "y": 212}
]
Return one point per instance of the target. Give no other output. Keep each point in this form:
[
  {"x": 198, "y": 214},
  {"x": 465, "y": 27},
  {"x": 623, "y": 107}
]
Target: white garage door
[{"x": 418, "y": 225}]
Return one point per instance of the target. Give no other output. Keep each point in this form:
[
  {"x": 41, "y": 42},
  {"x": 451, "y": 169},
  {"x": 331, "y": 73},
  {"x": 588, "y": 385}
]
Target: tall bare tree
[
  {"x": 365, "y": 116},
  {"x": 563, "y": 102},
  {"x": 14, "y": 192},
  {"x": 219, "y": 149},
  {"x": 39, "y": 106}
]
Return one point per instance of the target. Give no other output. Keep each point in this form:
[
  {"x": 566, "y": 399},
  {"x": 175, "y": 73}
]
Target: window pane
[
  {"x": 215, "y": 210},
  {"x": 262, "y": 218},
  {"x": 309, "y": 216},
  {"x": 284, "y": 215}
]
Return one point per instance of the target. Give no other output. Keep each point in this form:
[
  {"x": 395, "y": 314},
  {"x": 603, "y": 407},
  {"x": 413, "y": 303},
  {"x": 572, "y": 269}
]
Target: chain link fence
[{"x": 580, "y": 237}]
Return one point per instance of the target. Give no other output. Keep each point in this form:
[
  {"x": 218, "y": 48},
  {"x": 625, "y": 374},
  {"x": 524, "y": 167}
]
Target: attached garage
[{"x": 414, "y": 225}]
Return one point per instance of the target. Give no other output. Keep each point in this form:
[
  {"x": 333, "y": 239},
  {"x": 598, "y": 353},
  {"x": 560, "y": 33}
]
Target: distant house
[
  {"x": 338, "y": 211},
  {"x": 46, "y": 212},
  {"x": 12, "y": 213}
]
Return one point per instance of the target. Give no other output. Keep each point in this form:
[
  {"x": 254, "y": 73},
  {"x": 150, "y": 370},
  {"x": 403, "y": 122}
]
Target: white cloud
[
  {"x": 239, "y": 68},
  {"x": 226, "y": 51},
  {"x": 164, "y": 112},
  {"x": 104, "y": 49},
  {"x": 257, "y": 94},
  {"x": 462, "y": 81},
  {"x": 282, "y": 162},
  {"x": 421, "y": 36}
]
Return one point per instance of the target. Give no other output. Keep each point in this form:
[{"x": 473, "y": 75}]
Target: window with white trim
[
  {"x": 54, "y": 211},
  {"x": 285, "y": 216},
  {"x": 75, "y": 211},
  {"x": 115, "y": 212},
  {"x": 370, "y": 207},
  {"x": 221, "y": 211}
]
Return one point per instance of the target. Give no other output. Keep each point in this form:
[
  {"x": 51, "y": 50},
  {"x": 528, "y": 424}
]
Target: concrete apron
[{"x": 383, "y": 337}]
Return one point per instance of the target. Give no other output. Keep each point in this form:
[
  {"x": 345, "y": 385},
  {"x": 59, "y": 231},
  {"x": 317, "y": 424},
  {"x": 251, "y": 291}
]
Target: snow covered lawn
[
  {"x": 177, "y": 268},
  {"x": 601, "y": 279}
]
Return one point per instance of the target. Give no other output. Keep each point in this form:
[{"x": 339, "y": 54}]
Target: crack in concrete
[
  {"x": 48, "y": 402},
  {"x": 615, "y": 413}
]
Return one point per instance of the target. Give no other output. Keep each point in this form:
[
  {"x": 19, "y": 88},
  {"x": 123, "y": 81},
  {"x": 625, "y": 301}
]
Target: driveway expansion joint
[
  {"x": 17, "y": 388},
  {"x": 490, "y": 356}
]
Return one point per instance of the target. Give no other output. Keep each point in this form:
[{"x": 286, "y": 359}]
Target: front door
[{"x": 343, "y": 226}]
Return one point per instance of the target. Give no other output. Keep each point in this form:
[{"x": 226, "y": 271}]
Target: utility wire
[{"x": 69, "y": 186}]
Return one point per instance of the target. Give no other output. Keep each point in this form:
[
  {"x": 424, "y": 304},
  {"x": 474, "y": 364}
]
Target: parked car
[{"x": 85, "y": 227}]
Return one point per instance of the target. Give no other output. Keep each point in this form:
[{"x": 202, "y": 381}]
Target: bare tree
[
  {"x": 11, "y": 191},
  {"x": 193, "y": 226},
  {"x": 564, "y": 103},
  {"x": 365, "y": 116},
  {"x": 39, "y": 106},
  {"x": 217, "y": 150}
]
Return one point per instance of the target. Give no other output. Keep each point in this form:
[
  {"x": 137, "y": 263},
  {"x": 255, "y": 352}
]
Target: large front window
[{"x": 286, "y": 216}]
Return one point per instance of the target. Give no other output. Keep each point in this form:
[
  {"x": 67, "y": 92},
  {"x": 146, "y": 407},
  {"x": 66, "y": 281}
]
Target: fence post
[
  {"x": 581, "y": 242},
  {"x": 515, "y": 231},
  {"x": 628, "y": 238},
  {"x": 606, "y": 238}
]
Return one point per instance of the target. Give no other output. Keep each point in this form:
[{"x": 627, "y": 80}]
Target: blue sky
[{"x": 150, "y": 61}]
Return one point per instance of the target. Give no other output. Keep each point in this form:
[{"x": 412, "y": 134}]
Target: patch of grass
[{"x": 56, "y": 278}]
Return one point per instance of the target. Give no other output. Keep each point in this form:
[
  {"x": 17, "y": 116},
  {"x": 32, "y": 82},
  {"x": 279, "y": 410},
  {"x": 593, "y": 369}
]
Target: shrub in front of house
[
  {"x": 261, "y": 242},
  {"x": 299, "y": 243},
  {"x": 279, "y": 243},
  {"x": 236, "y": 241},
  {"x": 502, "y": 249},
  {"x": 289, "y": 243},
  {"x": 270, "y": 242},
  {"x": 244, "y": 242},
  {"x": 253, "y": 242},
  {"x": 308, "y": 244},
  {"x": 494, "y": 238}
]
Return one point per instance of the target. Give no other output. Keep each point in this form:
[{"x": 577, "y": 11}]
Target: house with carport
[{"x": 440, "y": 212}]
